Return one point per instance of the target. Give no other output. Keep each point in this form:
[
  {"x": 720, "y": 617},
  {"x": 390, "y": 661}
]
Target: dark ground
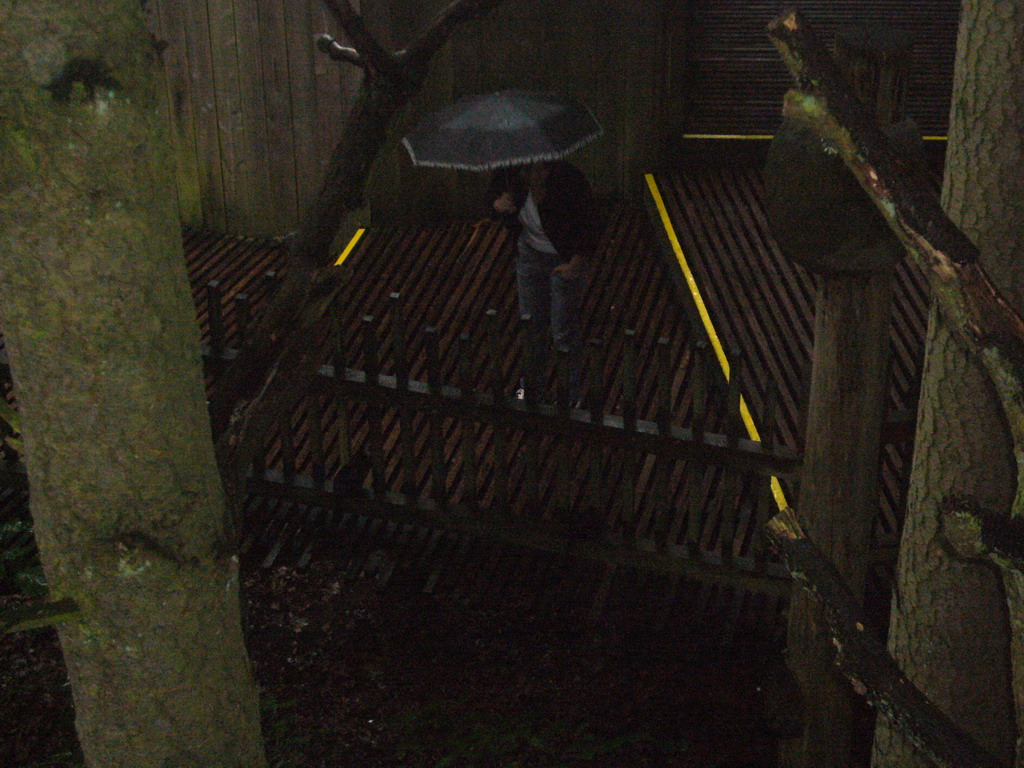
[{"x": 356, "y": 676}]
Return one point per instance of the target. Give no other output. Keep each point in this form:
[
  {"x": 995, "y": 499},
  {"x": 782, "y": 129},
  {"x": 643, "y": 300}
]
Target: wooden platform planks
[{"x": 764, "y": 304}]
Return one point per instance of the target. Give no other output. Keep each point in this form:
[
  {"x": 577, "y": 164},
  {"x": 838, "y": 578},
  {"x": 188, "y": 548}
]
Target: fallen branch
[{"x": 865, "y": 660}]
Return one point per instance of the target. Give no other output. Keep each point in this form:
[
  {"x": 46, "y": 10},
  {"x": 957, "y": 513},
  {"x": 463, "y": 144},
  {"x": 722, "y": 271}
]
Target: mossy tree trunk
[
  {"x": 949, "y": 628},
  {"x": 100, "y": 329}
]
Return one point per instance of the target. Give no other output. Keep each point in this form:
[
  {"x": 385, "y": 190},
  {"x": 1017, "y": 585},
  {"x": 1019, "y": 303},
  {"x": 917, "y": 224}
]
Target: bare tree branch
[
  {"x": 864, "y": 659},
  {"x": 372, "y": 52},
  {"x": 274, "y": 366},
  {"x": 981, "y": 317},
  {"x": 438, "y": 30},
  {"x": 327, "y": 44}
]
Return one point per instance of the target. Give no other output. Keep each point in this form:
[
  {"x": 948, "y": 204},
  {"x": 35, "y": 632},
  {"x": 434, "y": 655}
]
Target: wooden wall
[
  {"x": 254, "y": 112},
  {"x": 607, "y": 54},
  {"x": 256, "y": 109},
  {"x": 732, "y": 79}
]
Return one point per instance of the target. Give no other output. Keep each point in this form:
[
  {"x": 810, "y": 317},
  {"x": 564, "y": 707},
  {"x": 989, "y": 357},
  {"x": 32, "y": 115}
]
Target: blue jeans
[{"x": 554, "y": 303}]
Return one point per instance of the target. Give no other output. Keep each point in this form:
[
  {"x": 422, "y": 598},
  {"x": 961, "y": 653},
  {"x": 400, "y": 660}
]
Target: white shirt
[{"x": 533, "y": 232}]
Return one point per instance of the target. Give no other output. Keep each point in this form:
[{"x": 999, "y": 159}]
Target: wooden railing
[{"x": 414, "y": 435}]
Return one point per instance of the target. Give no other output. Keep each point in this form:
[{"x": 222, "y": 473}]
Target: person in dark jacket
[{"x": 550, "y": 211}]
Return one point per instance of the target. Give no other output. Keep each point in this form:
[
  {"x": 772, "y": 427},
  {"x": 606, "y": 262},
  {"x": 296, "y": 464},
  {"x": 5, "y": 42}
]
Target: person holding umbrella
[
  {"x": 546, "y": 202},
  {"x": 549, "y": 208}
]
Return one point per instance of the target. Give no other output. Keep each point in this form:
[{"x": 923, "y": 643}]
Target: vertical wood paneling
[
  {"x": 737, "y": 79},
  {"x": 165, "y": 23},
  {"x": 252, "y": 144},
  {"x": 196, "y": 29},
  {"x": 256, "y": 111},
  {"x": 235, "y": 166},
  {"x": 281, "y": 210},
  {"x": 302, "y": 80}
]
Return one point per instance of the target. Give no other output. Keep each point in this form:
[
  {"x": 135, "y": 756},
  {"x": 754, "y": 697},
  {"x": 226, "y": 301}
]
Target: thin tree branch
[
  {"x": 974, "y": 532},
  {"x": 272, "y": 367},
  {"x": 327, "y": 44},
  {"x": 865, "y": 660},
  {"x": 436, "y": 32},
  {"x": 978, "y": 313},
  {"x": 372, "y": 52}
]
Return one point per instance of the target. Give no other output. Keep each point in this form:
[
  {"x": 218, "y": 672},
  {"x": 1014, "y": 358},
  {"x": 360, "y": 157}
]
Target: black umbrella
[{"x": 480, "y": 133}]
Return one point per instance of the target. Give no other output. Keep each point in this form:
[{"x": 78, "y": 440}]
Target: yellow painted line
[
  {"x": 705, "y": 317},
  {"x": 766, "y": 136},
  {"x": 350, "y": 247},
  {"x": 752, "y": 136}
]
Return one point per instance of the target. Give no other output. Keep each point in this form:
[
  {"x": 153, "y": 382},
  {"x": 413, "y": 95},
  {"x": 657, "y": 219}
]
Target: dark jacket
[{"x": 567, "y": 212}]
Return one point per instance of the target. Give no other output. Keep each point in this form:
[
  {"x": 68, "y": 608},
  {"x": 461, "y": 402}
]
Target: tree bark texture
[
  {"x": 949, "y": 628},
  {"x": 104, "y": 349},
  {"x": 838, "y": 493},
  {"x": 865, "y": 660}
]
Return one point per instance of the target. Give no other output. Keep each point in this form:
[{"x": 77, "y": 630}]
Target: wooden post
[
  {"x": 243, "y": 317},
  {"x": 215, "y": 319},
  {"x": 405, "y": 417},
  {"x": 699, "y": 388},
  {"x": 468, "y": 427},
  {"x": 629, "y": 461},
  {"x": 531, "y": 440},
  {"x": 314, "y": 414},
  {"x": 839, "y": 481},
  {"x": 340, "y": 403},
  {"x": 502, "y": 457},
  {"x": 374, "y": 412},
  {"x": 438, "y": 468}
]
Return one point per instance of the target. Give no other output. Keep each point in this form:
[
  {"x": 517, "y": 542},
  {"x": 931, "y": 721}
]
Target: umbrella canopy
[{"x": 480, "y": 133}]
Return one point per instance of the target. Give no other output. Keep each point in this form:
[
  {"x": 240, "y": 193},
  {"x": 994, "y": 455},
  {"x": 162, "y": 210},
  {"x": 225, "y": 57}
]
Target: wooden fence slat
[
  {"x": 236, "y": 170},
  {"x": 243, "y": 317},
  {"x": 251, "y": 142},
  {"x": 204, "y": 103},
  {"x": 502, "y": 457},
  {"x": 531, "y": 440},
  {"x": 699, "y": 387},
  {"x": 438, "y": 470},
  {"x": 405, "y": 416},
  {"x": 733, "y": 421},
  {"x": 336, "y": 392},
  {"x": 215, "y": 320},
  {"x": 287, "y": 437},
  {"x": 168, "y": 20},
  {"x": 730, "y": 514},
  {"x": 314, "y": 415},
  {"x": 467, "y": 426},
  {"x": 282, "y": 210},
  {"x": 374, "y": 411},
  {"x": 300, "y": 48}
]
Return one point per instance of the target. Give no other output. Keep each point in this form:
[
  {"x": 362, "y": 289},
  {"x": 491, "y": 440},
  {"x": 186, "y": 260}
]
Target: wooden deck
[
  {"x": 448, "y": 278},
  {"x": 764, "y": 304}
]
